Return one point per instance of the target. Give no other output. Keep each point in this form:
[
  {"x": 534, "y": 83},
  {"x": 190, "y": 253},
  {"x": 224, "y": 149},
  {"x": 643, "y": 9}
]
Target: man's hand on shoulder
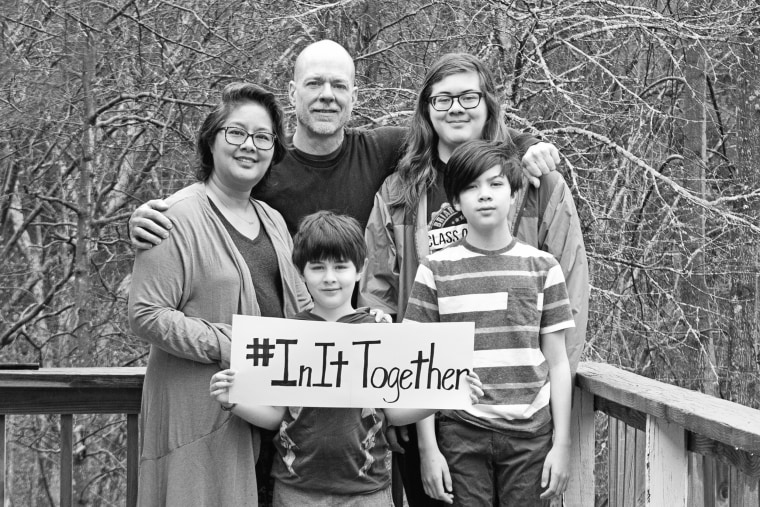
[
  {"x": 148, "y": 226},
  {"x": 541, "y": 158}
]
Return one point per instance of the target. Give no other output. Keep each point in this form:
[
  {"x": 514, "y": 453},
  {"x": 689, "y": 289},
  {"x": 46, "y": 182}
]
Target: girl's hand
[
  {"x": 476, "y": 387},
  {"x": 220, "y": 386}
]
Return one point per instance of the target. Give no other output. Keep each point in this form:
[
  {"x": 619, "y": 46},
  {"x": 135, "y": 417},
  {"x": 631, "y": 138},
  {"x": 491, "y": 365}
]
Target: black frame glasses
[
  {"x": 435, "y": 100},
  {"x": 261, "y": 139}
]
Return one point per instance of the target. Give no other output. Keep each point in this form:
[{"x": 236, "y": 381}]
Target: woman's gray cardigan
[{"x": 182, "y": 297}]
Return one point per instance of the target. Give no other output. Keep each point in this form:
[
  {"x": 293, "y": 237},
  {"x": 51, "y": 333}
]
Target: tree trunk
[
  {"x": 696, "y": 297},
  {"x": 84, "y": 183},
  {"x": 745, "y": 150}
]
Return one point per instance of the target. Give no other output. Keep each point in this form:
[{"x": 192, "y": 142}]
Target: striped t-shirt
[{"x": 513, "y": 296}]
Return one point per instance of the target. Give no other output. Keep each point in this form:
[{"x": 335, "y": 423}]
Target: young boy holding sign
[
  {"x": 500, "y": 451},
  {"x": 328, "y": 456}
]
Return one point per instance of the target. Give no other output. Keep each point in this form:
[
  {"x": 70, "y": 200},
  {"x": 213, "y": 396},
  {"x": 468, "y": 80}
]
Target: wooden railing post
[
  {"x": 133, "y": 447},
  {"x": 67, "y": 459},
  {"x": 2, "y": 459},
  {"x": 666, "y": 464},
  {"x": 580, "y": 487},
  {"x": 626, "y": 456}
]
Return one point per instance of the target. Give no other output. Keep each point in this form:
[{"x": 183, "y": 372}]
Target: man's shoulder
[
  {"x": 383, "y": 131},
  {"x": 386, "y": 137}
]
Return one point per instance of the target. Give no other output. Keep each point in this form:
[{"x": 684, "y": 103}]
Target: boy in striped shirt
[{"x": 513, "y": 447}]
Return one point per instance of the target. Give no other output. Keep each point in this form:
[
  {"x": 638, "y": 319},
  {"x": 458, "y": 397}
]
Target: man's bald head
[
  {"x": 323, "y": 50},
  {"x": 323, "y": 94}
]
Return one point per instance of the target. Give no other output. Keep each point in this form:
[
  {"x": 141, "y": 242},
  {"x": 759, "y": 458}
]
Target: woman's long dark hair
[{"x": 416, "y": 169}]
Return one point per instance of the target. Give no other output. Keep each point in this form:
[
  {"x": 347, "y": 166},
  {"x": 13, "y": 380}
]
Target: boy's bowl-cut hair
[
  {"x": 325, "y": 235},
  {"x": 471, "y": 159}
]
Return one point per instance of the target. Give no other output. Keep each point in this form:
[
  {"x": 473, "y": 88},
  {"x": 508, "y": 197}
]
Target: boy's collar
[
  {"x": 483, "y": 251},
  {"x": 358, "y": 314}
]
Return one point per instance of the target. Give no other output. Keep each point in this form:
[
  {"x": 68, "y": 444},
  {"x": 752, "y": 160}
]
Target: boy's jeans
[{"x": 490, "y": 468}]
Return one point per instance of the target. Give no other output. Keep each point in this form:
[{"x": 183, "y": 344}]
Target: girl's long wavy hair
[{"x": 415, "y": 168}]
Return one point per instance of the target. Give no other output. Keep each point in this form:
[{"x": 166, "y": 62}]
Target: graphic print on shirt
[
  {"x": 369, "y": 442},
  {"x": 287, "y": 442},
  {"x": 373, "y": 424},
  {"x": 446, "y": 226}
]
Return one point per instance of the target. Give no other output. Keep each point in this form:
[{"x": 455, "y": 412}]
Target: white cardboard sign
[{"x": 283, "y": 362}]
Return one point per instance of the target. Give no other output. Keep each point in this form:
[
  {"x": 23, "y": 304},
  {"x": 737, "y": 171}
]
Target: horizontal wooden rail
[
  {"x": 720, "y": 420},
  {"x": 71, "y": 391}
]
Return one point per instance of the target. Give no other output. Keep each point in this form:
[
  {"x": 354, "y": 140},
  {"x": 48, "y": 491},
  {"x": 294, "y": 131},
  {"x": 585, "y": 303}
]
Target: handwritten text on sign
[{"x": 285, "y": 362}]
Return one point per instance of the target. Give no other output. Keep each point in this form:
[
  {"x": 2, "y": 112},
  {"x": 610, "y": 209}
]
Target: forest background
[{"x": 654, "y": 105}]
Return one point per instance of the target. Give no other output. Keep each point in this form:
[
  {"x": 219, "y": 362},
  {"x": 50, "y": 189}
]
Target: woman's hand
[
  {"x": 148, "y": 226},
  {"x": 220, "y": 386}
]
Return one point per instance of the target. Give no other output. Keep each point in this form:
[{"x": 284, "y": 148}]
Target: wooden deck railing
[
  {"x": 69, "y": 391},
  {"x": 666, "y": 446}
]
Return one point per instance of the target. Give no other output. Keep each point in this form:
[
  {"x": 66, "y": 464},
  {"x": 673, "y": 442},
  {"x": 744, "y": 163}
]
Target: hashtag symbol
[{"x": 261, "y": 351}]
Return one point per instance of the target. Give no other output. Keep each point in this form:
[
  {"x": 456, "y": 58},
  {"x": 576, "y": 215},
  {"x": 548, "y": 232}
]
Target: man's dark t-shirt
[{"x": 344, "y": 181}]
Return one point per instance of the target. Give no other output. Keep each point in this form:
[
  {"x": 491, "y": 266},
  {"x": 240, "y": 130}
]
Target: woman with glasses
[
  {"x": 411, "y": 219},
  {"x": 227, "y": 254}
]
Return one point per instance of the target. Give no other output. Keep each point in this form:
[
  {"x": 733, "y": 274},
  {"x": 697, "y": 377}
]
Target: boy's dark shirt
[{"x": 329, "y": 450}]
